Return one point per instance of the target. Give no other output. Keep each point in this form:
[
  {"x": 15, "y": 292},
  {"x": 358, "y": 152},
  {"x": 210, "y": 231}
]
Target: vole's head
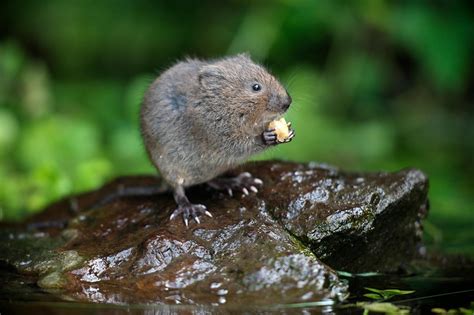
[{"x": 249, "y": 94}]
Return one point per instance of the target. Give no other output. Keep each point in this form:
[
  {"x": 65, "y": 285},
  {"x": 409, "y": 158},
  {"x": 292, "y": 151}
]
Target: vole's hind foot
[
  {"x": 244, "y": 182},
  {"x": 190, "y": 212}
]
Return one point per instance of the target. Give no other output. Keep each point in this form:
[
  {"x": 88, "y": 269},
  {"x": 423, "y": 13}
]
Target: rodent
[{"x": 201, "y": 118}]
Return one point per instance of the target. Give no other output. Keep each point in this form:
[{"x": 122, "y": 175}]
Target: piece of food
[{"x": 281, "y": 129}]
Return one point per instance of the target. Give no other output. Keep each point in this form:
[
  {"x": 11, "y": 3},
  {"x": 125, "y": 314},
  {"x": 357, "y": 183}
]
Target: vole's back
[{"x": 165, "y": 121}]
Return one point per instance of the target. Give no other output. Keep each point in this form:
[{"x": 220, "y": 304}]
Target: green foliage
[
  {"x": 383, "y": 307},
  {"x": 454, "y": 311},
  {"x": 376, "y": 85},
  {"x": 383, "y": 295},
  {"x": 380, "y": 305}
]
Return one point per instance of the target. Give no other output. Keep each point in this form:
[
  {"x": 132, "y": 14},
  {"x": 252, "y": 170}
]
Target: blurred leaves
[
  {"x": 376, "y": 85},
  {"x": 441, "y": 40}
]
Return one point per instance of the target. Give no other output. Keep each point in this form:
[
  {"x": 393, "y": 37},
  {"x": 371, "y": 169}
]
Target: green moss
[{"x": 38, "y": 254}]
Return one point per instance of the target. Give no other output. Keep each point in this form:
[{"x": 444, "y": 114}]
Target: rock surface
[{"x": 258, "y": 249}]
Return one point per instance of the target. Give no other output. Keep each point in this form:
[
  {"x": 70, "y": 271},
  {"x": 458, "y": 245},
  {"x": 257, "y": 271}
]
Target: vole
[{"x": 201, "y": 118}]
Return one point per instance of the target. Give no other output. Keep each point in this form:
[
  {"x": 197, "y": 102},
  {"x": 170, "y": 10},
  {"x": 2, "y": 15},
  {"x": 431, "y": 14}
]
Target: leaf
[
  {"x": 373, "y": 296},
  {"x": 438, "y": 310},
  {"x": 389, "y": 293},
  {"x": 345, "y": 274},
  {"x": 384, "y": 307},
  {"x": 374, "y": 290}
]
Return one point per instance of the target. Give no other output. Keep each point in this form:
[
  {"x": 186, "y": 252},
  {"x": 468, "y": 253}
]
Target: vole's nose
[
  {"x": 286, "y": 101},
  {"x": 279, "y": 101}
]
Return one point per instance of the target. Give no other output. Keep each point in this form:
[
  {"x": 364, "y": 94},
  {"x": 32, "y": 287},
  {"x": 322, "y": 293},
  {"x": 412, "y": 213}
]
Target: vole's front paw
[
  {"x": 244, "y": 182},
  {"x": 190, "y": 212},
  {"x": 270, "y": 137}
]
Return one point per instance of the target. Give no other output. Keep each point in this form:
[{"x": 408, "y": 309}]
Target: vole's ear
[{"x": 210, "y": 75}]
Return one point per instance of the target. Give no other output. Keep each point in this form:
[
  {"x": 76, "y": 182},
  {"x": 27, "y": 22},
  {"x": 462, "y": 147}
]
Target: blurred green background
[{"x": 377, "y": 85}]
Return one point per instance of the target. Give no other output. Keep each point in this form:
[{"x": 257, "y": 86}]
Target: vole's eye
[{"x": 256, "y": 87}]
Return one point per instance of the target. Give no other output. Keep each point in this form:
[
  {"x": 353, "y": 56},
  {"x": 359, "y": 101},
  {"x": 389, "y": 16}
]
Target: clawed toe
[
  {"x": 190, "y": 212},
  {"x": 244, "y": 183},
  {"x": 291, "y": 135}
]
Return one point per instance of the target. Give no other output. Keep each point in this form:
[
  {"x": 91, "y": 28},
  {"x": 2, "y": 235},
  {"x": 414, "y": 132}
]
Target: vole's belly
[
  {"x": 196, "y": 168},
  {"x": 205, "y": 169}
]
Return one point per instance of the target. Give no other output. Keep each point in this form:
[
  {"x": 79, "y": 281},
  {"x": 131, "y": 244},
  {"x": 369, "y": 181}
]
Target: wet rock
[
  {"x": 353, "y": 222},
  {"x": 110, "y": 246}
]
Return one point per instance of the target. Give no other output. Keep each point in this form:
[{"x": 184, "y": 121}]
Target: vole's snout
[
  {"x": 286, "y": 102},
  {"x": 280, "y": 103}
]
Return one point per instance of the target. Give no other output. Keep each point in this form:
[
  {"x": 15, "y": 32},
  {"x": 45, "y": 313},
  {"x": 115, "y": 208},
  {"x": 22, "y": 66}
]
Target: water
[{"x": 433, "y": 289}]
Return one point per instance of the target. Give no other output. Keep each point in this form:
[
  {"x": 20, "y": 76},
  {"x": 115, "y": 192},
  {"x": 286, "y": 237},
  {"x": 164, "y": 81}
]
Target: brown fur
[{"x": 201, "y": 118}]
